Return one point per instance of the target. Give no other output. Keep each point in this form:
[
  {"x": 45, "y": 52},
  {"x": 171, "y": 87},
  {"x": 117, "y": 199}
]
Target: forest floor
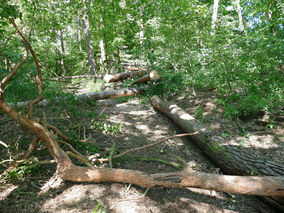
[{"x": 131, "y": 124}]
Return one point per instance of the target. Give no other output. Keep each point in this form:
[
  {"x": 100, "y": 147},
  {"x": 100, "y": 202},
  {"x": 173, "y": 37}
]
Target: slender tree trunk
[
  {"x": 271, "y": 17},
  {"x": 79, "y": 33},
  {"x": 214, "y": 16},
  {"x": 239, "y": 10},
  {"x": 62, "y": 52},
  {"x": 89, "y": 47}
]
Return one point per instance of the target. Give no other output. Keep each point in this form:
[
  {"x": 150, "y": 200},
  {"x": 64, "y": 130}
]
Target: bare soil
[{"x": 136, "y": 124}]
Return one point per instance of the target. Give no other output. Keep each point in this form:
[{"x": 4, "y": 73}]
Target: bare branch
[
  {"x": 147, "y": 146},
  {"x": 39, "y": 83}
]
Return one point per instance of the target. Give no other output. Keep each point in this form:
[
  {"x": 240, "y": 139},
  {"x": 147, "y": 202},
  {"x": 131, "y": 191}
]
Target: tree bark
[
  {"x": 113, "y": 93},
  {"x": 121, "y": 76},
  {"x": 239, "y": 10},
  {"x": 231, "y": 159},
  {"x": 154, "y": 76},
  {"x": 79, "y": 33},
  {"x": 92, "y": 95},
  {"x": 214, "y": 15},
  {"x": 62, "y": 52},
  {"x": 89, "y": 47}
]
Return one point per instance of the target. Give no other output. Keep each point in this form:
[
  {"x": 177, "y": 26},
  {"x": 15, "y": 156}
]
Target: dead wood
[
  {"x": 120, "y": 76},
  {"x": 231, "y": 159},
  {"x": 146, "y": 146},
  {"x": 186, "y": 178},
  {"x": 125, "y": 92},
  {"x": 63, "y": 78},
  {"x": 154, "y": 76},
  {"x": 114, "y": 93}
]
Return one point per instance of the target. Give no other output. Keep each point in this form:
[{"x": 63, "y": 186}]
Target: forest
[{"x": 141, "y": 106}]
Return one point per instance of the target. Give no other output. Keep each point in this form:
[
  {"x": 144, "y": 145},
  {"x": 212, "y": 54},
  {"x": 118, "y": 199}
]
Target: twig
[
  {"x": 72, "y": 149},
  {"x": 111, "y": 154},
  {"x": 3, "y": 144},
  {"x": 79, "y": 158},
  {"x": 180, "y": 161},
  {"x": 11, "y": 74},
  {"x": 147, "y": 146},
  {"x": 57, "y": 132},
  {"x": 26, "y": 156},
  {"x": 172, "y": 164},
  {"x": 153, "y": 144}
]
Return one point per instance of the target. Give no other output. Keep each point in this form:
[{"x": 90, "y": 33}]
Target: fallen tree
[
  {"x": 72, "y": 77},
  {"x": 120, "y": 76},
  {"x": 231, "y": 159},
  {"x": 92, "y": 96},
  {"x": 69, "y": 171},
  {"x": 154, "y": 76}
]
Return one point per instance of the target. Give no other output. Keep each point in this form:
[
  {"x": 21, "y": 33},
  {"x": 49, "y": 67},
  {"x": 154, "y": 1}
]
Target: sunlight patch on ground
[
  {"x": 7, "y": 191},
  {"x": 145, "y": 129}
]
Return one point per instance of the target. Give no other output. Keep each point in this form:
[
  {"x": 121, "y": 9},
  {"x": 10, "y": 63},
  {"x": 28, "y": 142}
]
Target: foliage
[{"x": 173, "y": 37}]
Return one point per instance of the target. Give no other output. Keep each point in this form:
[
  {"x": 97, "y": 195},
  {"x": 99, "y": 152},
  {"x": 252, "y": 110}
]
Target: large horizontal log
[
  {"x": 120, "y": 76},
  {"x": 72, "y": 77},
  {"x": 92, "y": 95},
  {"x": 231, "y": 159},
  {"x": 113, "y": 93},
  {"x": 273, "y": 186}
]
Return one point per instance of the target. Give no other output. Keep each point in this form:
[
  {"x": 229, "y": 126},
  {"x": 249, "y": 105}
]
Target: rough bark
[
  {"x": 113, "y": 93},
  {"x": 73, "y": 77},
  {"x": 92, "y": 95},
  {"x": 231, "y": 159},
  {"x": 89, "y": 47},
  {"x": 120, "y": 76}
]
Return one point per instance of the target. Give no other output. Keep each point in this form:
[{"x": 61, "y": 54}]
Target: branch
[
  {"x": 39, "y": 85},
  {"x": 11, "y": 74},
  {"x": 150, "y": 145}
]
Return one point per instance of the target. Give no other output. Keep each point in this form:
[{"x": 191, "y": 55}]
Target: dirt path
[{"x": 140, "y": 125}]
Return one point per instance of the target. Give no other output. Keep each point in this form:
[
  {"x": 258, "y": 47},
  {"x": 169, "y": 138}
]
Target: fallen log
[
  {"x": 154, "y": 76},
  {"x": 91, "y": 95},
  {"x": 231, "y": 159},
  {"x": 72, "y": 77},
  {"x": 113, "y": 93},
  {"x": 120, "y": 76},
  {"x": 186, "y": 178}
]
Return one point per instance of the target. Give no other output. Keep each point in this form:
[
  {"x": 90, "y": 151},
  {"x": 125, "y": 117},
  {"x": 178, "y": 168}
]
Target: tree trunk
[
  {"x": 154, "y": 76},
  {"x": 79, "y": 33},
  {"x": 92, "y": 95},
  {"x": 239, "y": 10},
  {"x": 214, "y": 16},
  {"x": 89, "y": 47},
  {"x": 231, "y": 159},
  {"x": 120, "y": 76},
  {"x": 62, "y": 52}
]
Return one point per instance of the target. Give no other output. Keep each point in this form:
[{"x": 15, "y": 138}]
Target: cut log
[
  {"x": 72, "y": 77},
  {"x": 92, "y": 95},
  {"x": 132, "y": 68},
  {"x": 154, "y": 76},
  {"x": 113, "y": 93},
  {"x": 186, "y": 178},
  {"x": 231, "y": 159},
  {"x": 120, "y": 76}
]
